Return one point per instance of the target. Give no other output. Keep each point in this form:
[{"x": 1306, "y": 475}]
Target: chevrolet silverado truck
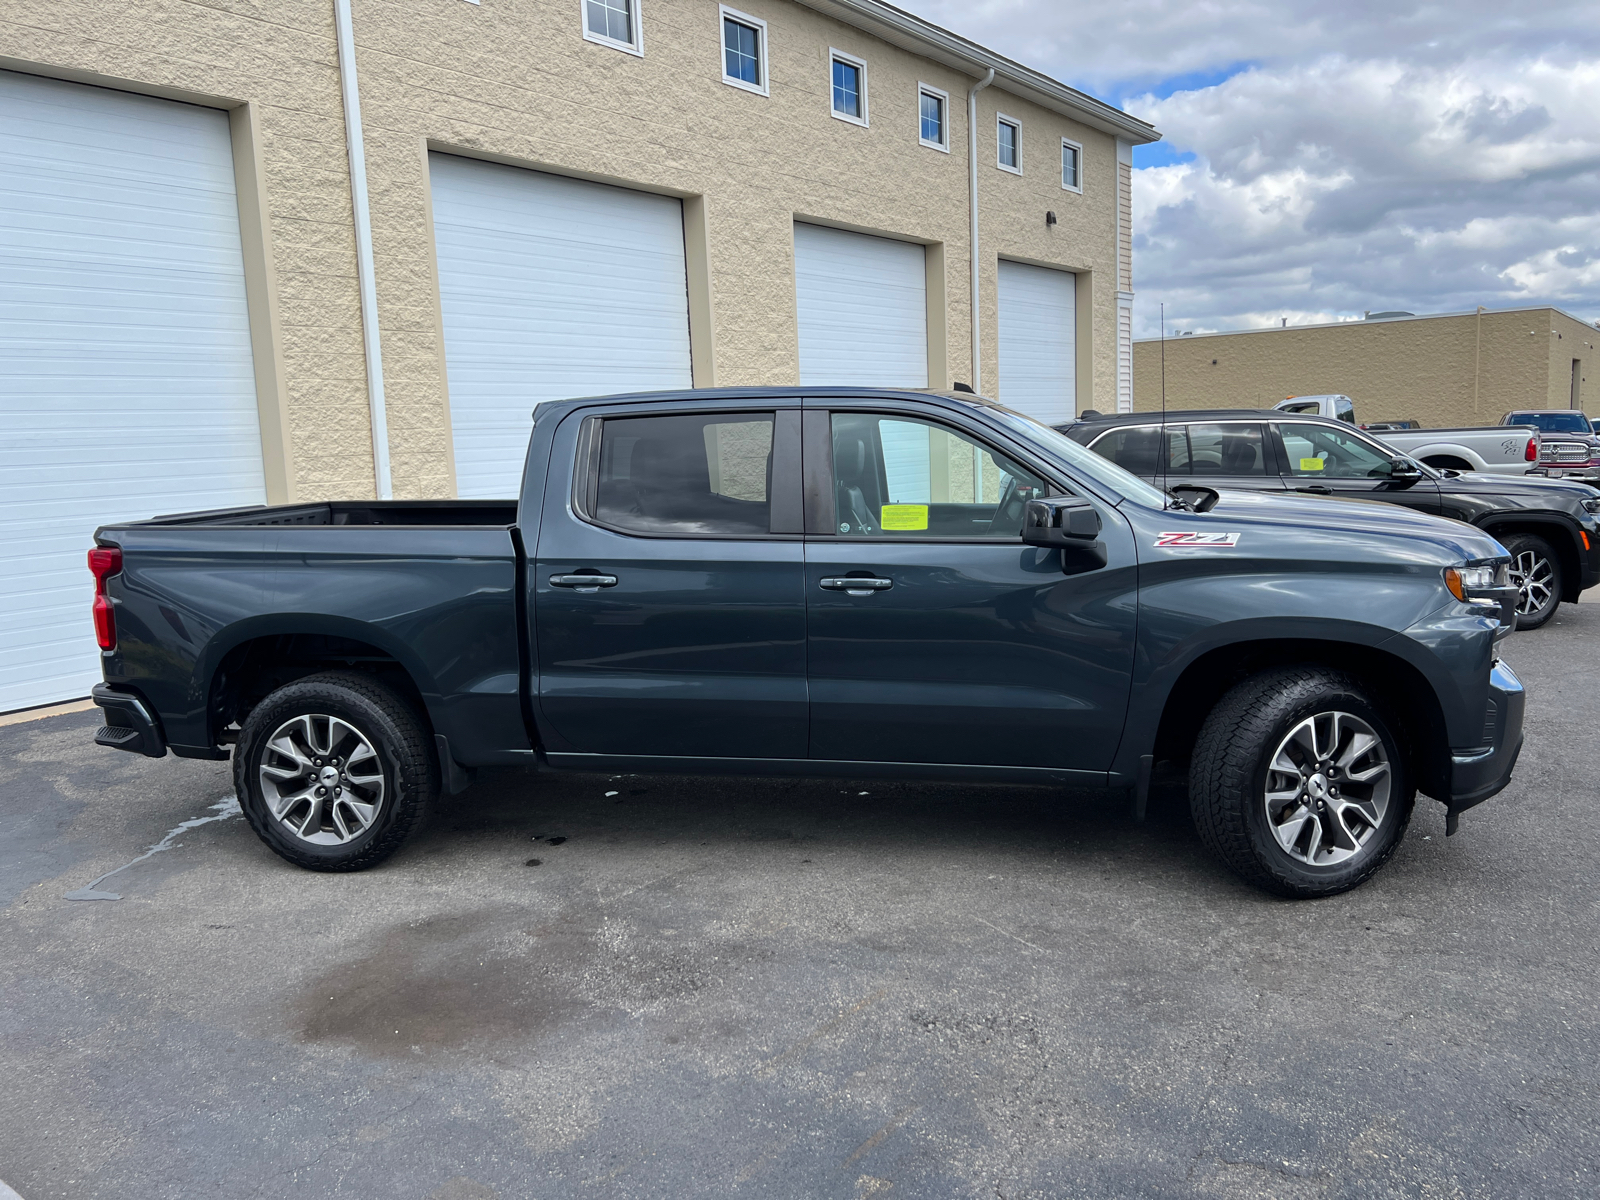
[
  {"x": 827, "y": 581},
  {"x": 1551, "y": 527}
]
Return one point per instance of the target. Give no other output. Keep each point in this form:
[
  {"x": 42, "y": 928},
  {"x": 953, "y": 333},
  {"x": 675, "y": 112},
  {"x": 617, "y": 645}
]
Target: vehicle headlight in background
[
  {"x": 1591, "y": 506},
  {"x": 1472, "y": 584}
]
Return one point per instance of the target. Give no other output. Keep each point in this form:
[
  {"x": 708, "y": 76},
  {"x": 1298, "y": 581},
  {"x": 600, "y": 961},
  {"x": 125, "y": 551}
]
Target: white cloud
[{"x": 1424, "y": 156}]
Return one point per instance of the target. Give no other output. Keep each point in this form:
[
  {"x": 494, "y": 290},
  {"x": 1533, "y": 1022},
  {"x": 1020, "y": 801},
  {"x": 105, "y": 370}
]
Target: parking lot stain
[
  {"x": 440, "y": 984},
  {"x": 220, "y": 811}
]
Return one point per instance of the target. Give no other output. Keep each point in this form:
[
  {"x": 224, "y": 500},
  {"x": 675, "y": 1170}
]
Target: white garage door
[
  {"x": 126, "y": 387},
  {"x": 863, "y": 309},
  {"x": 552, "y": 288},
  {"x": 1038, "y": 324}
]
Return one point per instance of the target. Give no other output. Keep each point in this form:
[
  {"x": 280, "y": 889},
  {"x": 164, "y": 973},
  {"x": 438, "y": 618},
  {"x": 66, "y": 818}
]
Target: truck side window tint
[
  {"x": 1325, "y": 453},
  {"x": 689, "y": 476},
  {"x": 903, "y": 478},
  {"x": 1224, "y": 450}
]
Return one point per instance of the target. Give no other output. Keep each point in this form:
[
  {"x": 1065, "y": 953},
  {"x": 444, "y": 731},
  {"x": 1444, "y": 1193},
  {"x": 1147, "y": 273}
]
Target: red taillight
[
  {"x": 1531, "y": 454},
  {"x": 104, "y": 561}
]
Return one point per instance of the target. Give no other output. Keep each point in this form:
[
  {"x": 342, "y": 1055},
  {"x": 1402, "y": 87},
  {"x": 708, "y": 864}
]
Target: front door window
[
  {"x": 901, "y": 478},
  {"x": 1320, "y": 452}
]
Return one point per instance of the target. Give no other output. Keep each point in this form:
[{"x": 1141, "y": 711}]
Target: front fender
[{"x": 1184, "y": 620}]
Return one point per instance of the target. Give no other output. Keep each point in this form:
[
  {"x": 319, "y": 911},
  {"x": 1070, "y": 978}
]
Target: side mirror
[
  {"x": 1403, "y": 470},
  {"x": 1065, "y": 521}
]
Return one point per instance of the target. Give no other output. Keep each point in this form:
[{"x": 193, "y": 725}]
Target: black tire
[
  {"x": 1229, "y": 778},
  {"x": 398, "y": 751},
  {"x": 1536, "y": 569}
]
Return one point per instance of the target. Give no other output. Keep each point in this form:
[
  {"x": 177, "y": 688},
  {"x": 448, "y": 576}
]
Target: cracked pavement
[{"x": 781, "y": 988}]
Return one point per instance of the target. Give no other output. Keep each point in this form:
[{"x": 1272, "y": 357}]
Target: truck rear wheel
[
  {"x": 1297, "y": 783},
  {"x": 335, "y": 771},
  {"x": 1536, "y": 571}
]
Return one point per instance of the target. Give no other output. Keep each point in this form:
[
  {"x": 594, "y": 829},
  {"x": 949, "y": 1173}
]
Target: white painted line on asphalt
[
  {"x": 6, "y": 1193},
  {"x": 221, "y": 811}
]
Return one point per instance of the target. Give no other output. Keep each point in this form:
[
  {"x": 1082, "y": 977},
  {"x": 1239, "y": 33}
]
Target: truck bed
[{"x": 478, "y": 513}]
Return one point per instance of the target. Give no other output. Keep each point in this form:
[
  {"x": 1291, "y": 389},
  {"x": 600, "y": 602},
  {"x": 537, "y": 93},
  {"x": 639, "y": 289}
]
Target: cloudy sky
[{"x": 1322, "y": 159}]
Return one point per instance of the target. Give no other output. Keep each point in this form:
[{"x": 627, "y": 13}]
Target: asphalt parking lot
[{"x": 794, "y": 988}]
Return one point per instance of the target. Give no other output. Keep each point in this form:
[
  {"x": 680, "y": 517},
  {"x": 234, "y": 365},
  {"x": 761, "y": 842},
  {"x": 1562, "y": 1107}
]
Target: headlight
[
  {"x": 1592, "y": 507},
  {"x": 1471, "y": 584}
]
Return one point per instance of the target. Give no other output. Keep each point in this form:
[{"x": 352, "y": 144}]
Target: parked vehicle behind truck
[
  {"x": 1568, "y": 443},
  {"x": 846, "y": 582},
  {"x": 1548, "y": 525},
  {"x": 1491, "y": 449}
]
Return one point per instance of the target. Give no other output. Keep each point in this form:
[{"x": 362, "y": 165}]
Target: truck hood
[{"x": 1455, "y": 541}]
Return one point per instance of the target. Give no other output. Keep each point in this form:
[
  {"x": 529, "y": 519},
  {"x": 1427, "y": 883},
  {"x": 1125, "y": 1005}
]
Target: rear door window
[
  {"x": 1225, "y": 450},
  {"x": 899, "y": 477},
  {"x": 699, "y": 475}
]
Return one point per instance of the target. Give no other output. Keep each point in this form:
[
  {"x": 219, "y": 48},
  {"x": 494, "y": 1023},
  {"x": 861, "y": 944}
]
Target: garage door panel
[
  {"x": 862, "y": 308},
  {"x": 1037, "y": 335},
  {"x": 126, "y": 384},
  {"x": 551, "y": 288}
]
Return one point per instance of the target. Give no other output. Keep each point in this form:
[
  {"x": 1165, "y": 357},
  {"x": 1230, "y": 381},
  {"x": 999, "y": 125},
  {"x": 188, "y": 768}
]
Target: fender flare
[{"x": 1147, "y": 704}]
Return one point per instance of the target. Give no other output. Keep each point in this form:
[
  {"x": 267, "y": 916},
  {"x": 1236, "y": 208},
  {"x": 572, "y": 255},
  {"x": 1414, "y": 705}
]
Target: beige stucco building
[
  {"x": 1452, "y": 369},
  {"x": 524, "y": 82},
  {"x": 341, "y": 248}
]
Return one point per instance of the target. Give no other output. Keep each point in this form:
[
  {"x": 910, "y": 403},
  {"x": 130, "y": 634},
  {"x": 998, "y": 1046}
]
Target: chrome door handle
[
  {"x": 856, "y": 586},
  {"x": 584, "y": 583}
]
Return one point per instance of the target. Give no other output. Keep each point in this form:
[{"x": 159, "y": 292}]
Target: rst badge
[{"x": 1164, "y": 540}]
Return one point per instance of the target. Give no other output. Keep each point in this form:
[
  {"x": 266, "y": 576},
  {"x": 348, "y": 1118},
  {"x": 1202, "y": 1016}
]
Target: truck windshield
[
  {"x": 1552, "y": 422},
  {"x": 1076, "y": 457}
]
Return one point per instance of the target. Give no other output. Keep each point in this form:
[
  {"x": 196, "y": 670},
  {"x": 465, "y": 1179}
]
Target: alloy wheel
[
  {"x": 1327, "y": 788},
  {"x": 1535, "y": 580},
  {"x": 322, "y": 779}
]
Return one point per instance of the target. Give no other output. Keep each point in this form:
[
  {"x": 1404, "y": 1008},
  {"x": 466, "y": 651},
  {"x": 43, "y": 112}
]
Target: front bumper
[
  {"x": 1481, "y": 772},
  {"x": 129, "y": 723}
]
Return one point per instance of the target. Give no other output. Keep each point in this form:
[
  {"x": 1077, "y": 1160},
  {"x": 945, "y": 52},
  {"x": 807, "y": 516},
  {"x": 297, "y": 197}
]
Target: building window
[
  {"x": 613, "y": 23},
  {"x": 849, "y": 87},
  {"x": 744, "y": 51},
  {"x": 1071, "y": 166},
  {"x": 933, "y": 117},
  {"x": 1008, "y": 142}
]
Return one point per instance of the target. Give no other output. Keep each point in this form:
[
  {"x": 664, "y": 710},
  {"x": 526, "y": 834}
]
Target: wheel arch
[
  {"x": 1558, "y": 534},
  {"x": 1397, "y": 687},
  {"x": 250, "y": 659}
]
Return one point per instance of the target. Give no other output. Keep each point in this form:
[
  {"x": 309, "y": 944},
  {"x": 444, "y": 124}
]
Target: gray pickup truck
[{"x": 846, "y": 582}]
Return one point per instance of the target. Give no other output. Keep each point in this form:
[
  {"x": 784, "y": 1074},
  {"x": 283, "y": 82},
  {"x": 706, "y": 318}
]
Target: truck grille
[{"x": 1563, "y": 452}]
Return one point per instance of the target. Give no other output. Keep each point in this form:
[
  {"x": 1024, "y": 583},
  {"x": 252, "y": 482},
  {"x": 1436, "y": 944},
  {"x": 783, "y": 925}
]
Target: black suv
[{"x": 1549, "y": 526}]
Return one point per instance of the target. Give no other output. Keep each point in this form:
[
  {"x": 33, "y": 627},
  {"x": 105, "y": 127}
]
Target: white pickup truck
[{"x": 1495, "y": 449}]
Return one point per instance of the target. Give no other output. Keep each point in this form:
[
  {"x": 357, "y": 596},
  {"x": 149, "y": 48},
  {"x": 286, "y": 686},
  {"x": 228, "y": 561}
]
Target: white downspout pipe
[
  {"x": 972, "y": 209},
  {"x": 364, "y": 271}
]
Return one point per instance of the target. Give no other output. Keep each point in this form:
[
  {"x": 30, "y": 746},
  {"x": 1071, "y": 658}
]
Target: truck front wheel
[
  {"x": 1297, "y": 783},
  {"x": 335, "y": 771}
]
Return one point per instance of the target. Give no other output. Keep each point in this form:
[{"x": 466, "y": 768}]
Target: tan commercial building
[
  {"x": 341, "y": 248},
  {"x": 1452, "y": 369}
]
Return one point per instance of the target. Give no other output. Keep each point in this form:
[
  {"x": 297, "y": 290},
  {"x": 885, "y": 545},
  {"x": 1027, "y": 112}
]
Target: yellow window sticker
[
  {"x": 1311, "y": 464},
  {"x": 903, "y": 517}
]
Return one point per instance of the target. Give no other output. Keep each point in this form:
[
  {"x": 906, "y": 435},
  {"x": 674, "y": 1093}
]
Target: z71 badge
[{"x": 1196, "y": 539}]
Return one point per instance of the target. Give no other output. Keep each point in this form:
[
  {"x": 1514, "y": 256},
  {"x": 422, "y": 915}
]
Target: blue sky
[{"x": 1322, "y": 160}]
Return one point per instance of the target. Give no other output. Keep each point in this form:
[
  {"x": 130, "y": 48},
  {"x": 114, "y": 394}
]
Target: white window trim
[
  {"x": 927, "y": 89},
  {"x": 724, "y": 14},
  {"x": 866, "y": 105},
  {"x": 636, "y": 47},
  {"x": 1078, "y": 146},
  {"x": 1016, "y": 127}
]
